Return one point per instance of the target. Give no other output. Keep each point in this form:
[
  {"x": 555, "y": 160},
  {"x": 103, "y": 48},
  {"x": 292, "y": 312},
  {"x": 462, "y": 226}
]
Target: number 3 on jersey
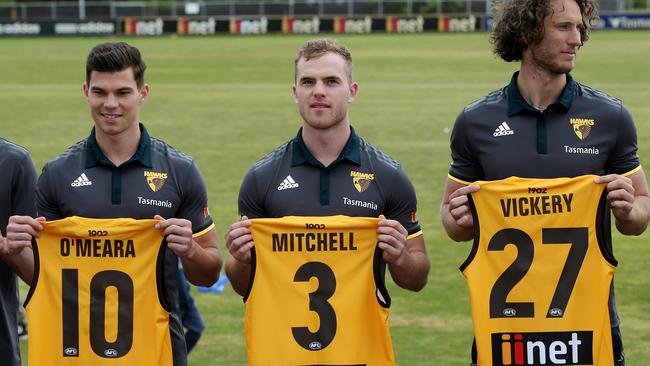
[
  {"x": 317, "y": 303},
  {"x": 578, "y": 238}
]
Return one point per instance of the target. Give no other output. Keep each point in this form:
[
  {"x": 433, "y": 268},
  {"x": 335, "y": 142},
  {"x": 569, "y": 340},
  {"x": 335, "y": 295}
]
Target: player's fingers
[
  {"x": 611, "y": 178},
  {"x": 460, "y": 212},
  {"x": 235, "y": 234},
  {"x": 464, "y": 191},
  {"x": 243, "y": 254},
  {"x": 620, "y": 195}
]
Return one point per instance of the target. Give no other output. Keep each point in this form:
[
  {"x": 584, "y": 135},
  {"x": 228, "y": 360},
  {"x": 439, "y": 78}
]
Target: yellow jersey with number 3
[
  {"x": 317, "y": 295},
  {"x": 540, "y": 271},
  {"x": 95, "y": 297}
]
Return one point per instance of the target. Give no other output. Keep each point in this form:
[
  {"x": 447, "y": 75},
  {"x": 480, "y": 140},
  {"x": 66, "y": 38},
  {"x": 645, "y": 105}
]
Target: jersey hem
[
  {"x": 414, "y": 235},
  {"x": 202, "y": 232},
  {"x": 632, "y": 171},
  {"x": 458, "y": 180}
]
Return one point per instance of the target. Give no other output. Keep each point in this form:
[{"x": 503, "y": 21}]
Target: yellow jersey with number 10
[
  {"x": 95, "y": 297},
  {"x": 540, "y": 271},
  {"x": 317, "y": 295}
]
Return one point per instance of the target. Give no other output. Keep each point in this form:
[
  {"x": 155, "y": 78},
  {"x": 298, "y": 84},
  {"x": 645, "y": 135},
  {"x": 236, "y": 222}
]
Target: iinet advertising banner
[{"x": 207, "y": 26}]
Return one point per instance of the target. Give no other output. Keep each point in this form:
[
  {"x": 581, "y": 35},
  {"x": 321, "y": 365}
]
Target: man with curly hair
[{"x": 546, "y": 125}]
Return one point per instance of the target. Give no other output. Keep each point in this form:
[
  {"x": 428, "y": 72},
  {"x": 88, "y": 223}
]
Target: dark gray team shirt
[
  {"x": 362, "y": 181},
  {"x": 584, "y": 132},
  {"x": 16, "y": 198},
  {"x": 157, "y": 180}
]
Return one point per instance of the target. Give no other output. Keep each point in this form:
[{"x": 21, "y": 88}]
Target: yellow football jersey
[
  {"x": 96, "y": 297},
  {"x": 540, "y": 271},
  {"x": 317, "y": 295}
]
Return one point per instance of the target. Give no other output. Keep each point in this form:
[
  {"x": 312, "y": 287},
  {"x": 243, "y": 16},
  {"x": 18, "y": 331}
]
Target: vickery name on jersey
[
  {"x": 84, "y": 247},
  {"x": 313, "y": 242},
  {"x": 536, "y": 205}
]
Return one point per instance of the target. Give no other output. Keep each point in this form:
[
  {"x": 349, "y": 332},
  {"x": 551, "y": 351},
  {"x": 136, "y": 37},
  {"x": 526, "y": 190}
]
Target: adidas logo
[
  {"x": 503, "y": 130},
  {"x": 288, "y": 183},
  {"x": 81, "y": 181}
]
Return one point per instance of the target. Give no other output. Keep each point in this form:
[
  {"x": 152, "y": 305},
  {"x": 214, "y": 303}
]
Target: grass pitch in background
[{"x": 226, "y": 101}]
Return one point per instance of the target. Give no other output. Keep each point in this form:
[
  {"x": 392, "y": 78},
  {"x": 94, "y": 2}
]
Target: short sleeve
[
  {"x": 250, "y": 203},
  {"x": 402, "y": 203},
  {"x": 624, "y": 157},
  {"x": 464, "y": 162},
  {"x": 46, "y": 196},
  {"x": 23, "y": 191},
  {"x": 194, "y": 206}
]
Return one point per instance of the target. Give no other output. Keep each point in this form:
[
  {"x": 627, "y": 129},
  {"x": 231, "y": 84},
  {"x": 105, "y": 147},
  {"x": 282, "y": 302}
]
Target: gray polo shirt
[
  {"x": 157, "y": 180},
  {"x": 584, "y": 132},
  {"x": 362, "y": 181},
  {"x": 16, "y": 198}
]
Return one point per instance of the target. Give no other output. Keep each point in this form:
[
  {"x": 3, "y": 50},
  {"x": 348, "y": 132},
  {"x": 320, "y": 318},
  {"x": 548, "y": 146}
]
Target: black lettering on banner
[
  {"x": 579, "y": 240},
  {"x": 98, "y": 285},
  {"x": 318, "y": 304}
]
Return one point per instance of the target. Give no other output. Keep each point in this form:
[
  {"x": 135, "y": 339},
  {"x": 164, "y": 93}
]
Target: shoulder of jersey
[
  {"x": 272, "y": 157},
  {"x": 73, "y": 152},
  {"x": 494, "y": 97},
  {"x": 377, "y": 155},
  {"x": 161, "y": 147},
  {"x": 596, "y": 95},
  {"x": 12, "y": 149}
]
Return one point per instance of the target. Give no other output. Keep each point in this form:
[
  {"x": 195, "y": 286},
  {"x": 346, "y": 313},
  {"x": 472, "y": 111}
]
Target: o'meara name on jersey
[
  {"x": 536, "y": 205},
  {"x": 100, "y": 248},
  {"x": 313, "y": 242},
  {"x": 542, "y": 348}
]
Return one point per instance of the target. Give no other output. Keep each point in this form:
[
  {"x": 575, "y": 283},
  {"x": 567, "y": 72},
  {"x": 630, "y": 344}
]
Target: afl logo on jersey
[
  {"x": 155, "y": 180},
  {"x": 110, "y": 352},
  {"x": 582, "y": 126},
  {"x": 70, "y": 352},
  {"x": 509, "y": 312},
  {"x": 361, "y": 181},
  {"x": 555, "y": 312},
  {"x": 315, "y": 346}
]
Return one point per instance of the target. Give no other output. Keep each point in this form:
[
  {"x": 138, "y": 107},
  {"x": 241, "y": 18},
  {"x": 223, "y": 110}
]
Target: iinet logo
[{"x": 547, "y": 348}]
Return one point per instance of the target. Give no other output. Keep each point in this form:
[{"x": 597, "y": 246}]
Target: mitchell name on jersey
[{"x": 313, "y": 242}]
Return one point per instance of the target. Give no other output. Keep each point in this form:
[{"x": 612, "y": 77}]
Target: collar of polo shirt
[
  {"x": 301, "y": 155},
  {"x": 517, "y": 103},
  {"x": 95, "y": 156}
]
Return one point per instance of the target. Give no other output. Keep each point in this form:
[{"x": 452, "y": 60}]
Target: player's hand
[
  {"x": 178, "y": 233},
  {"x": 239, "y": 240},
  {"x": 459, "y": 206},
  {"x": 392, "y": 240},
  {"x": 620, "y": 194},
  {"x": 20, "y": 231}
]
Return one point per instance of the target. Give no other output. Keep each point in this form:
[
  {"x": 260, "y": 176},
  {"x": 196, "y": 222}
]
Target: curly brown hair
[{"x": 519, "y": 23}]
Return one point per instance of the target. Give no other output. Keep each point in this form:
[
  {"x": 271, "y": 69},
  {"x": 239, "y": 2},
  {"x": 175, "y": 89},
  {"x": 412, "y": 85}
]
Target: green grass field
[{"x": 226, "y": 101}]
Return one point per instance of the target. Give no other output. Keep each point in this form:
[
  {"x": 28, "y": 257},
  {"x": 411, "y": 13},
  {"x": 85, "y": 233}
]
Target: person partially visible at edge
[
  {"x": 544, "y": 124},
  {"x": 17, "y": 187},
  {"x": 120, "y": 171}
]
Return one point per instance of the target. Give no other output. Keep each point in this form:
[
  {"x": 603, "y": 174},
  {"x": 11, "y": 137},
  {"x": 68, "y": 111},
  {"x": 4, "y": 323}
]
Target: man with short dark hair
[
  {"x": 326, "y": 170},
  {"x": 120, "y": 171},
  {"x": 546, "y": 125},
  {"x": 16, "y": 198}
]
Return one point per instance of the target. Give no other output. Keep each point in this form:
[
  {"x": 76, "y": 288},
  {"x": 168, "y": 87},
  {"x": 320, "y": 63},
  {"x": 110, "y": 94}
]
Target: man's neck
[
  {"x": 326, "y": 144},
  {"x": 119, "y": 148},
  {"x": 539, "y": 87}
]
